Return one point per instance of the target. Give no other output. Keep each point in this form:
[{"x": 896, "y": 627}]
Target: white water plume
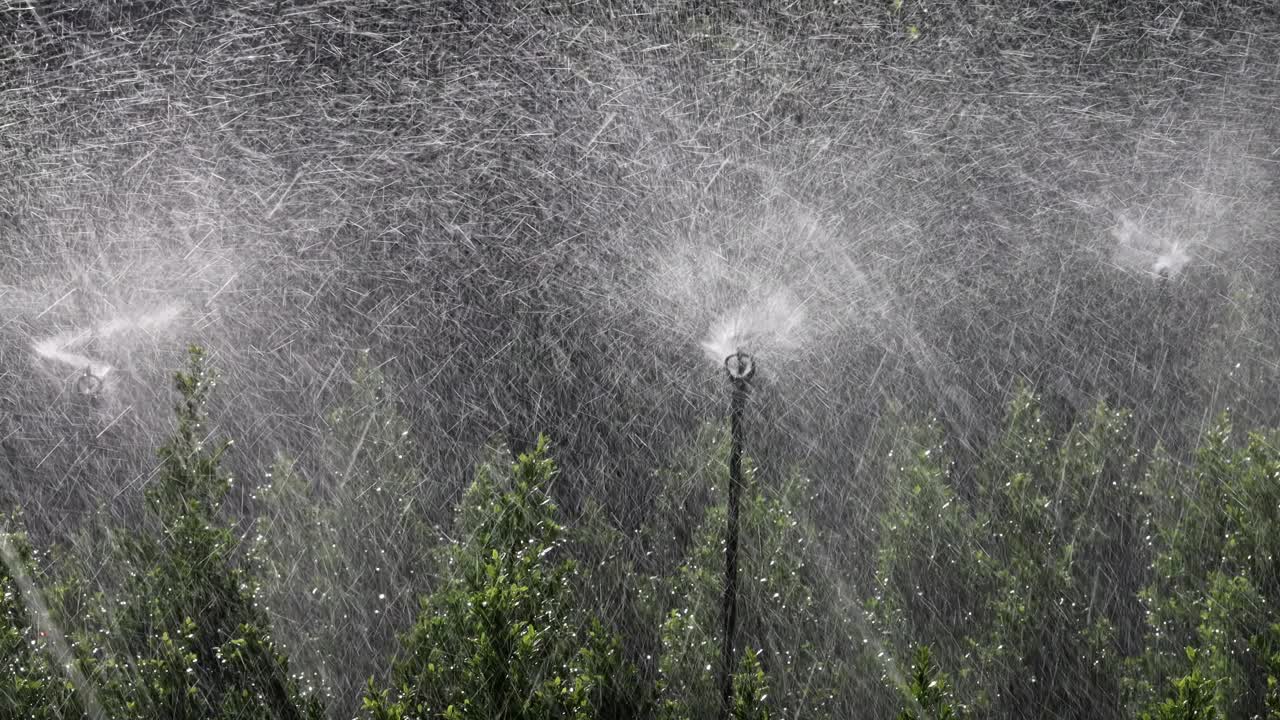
[
  {"x": 64, "y": 347},
  {"x": 773, "y": 323},
  {"x": 1140, "y": 248}
]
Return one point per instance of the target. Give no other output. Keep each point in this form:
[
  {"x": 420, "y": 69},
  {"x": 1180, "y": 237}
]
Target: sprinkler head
[
  {"x": 740, "y": 366},
  {"x": 88, "y": 383}
]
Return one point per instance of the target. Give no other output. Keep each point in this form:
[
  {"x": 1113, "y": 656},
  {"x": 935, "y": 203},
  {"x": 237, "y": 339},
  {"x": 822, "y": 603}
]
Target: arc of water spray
[{"x": 58, "y": 347}]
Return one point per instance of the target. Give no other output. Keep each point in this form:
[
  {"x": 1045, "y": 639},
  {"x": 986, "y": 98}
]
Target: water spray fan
[{"x": 741, "y": 367}]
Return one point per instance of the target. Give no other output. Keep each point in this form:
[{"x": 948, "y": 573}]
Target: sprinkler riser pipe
[{"x": 741, "y": 368}]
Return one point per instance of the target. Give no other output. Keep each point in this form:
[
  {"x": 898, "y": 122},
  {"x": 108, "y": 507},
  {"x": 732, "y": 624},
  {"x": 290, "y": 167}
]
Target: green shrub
[
  {"x": 190, "y": 641},
  {"x": 32, "y": 682},
  {"x": 344, "y": 548},
  {"x": 1194, "y": 697},
  {"x": 788, "y": 608},
  {"x": 500, "y": 637},
  {"x": 750, "y": 688},
  {"x": 1027, "y": 580},
  {"x": 1019, "y": 581},
  {"x": 928, "y": 692},
  {"x": 1215, "y": 582}
]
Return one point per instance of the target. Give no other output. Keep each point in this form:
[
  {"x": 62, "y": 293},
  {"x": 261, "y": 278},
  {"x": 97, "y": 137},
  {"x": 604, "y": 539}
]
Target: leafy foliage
[
  {"x": 787, "y": 609},
  {"x": 32, "y": 685},
  {"x": 1194, "y": 697},
  {"x": 326, "y": 586},
  {"x": 195, "y": 638},
  {"x": 1026, "y": 579},
  {"x": 1215, "y": 584},
  {"x": 750, "y": 688},
  {"x": 1019, "y": 582},
  {"x": 928, "y": 693},
  {"x": 498, "y": 638}
]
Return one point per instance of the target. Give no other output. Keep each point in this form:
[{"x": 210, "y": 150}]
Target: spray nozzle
[
  {"x": 88, "y": 383},
  {"x": 740, "y": 366}
]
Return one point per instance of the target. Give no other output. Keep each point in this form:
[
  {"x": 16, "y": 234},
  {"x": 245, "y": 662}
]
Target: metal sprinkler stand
[{"x": 741, "y": 368}]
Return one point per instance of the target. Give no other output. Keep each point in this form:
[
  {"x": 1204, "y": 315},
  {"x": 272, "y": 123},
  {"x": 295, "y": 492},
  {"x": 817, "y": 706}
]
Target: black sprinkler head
[
  {"x": 88, "y": 383},
  {"x": 740, "y": 366}
]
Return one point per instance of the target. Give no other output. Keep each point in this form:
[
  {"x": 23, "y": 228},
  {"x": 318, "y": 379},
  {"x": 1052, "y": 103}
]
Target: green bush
[
  {"x": 1193, "y": 697},
  {"x": 500, "y": 637},
  {"x": 344, "y": 548},
  {"x": 750, "y": 688},
  {"x": 1018, "y": 581},
  {"x": 928, "y": 692},
  {"x": 790, "y": 617},
  {"x": 1215, "y": 587},
  {"x": 33, "y": 682},
  {"x": 189, "y": 640},
  {"x": 163, "y": 622},
  {"x": 1063, "y": 577}
]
